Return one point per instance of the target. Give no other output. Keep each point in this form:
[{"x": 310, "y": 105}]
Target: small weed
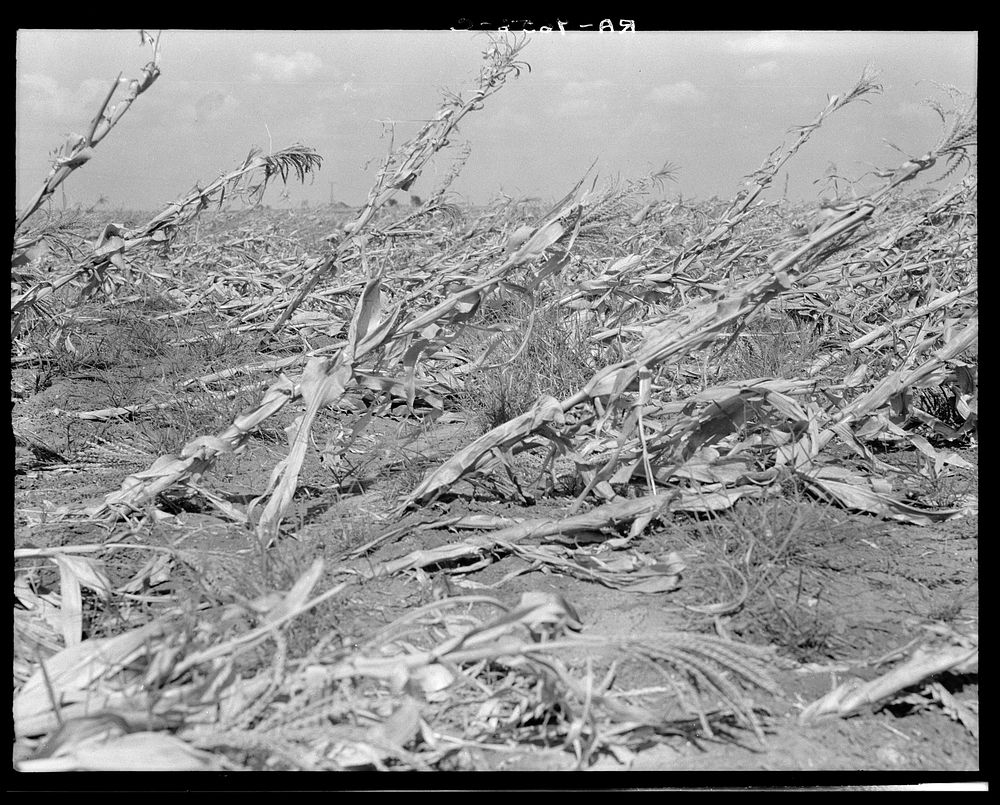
[
  {"x": 213, "y": 344},
  {"x": 280, "y": 568},
  {"x": 948, "y": 489},
  {"x": 142, "y": 338},
  {"x": 120, "y": 390},
  {"x": 948, "y": 610},
  {"x": 771, "y": 346},
  {"x": 64, "y": 354},
  {"x": 765, "y": 553},
  {"x": 552, "y": 357},
  {"x": 802, "y": 628},
  {"x": 156, "y": 301}
]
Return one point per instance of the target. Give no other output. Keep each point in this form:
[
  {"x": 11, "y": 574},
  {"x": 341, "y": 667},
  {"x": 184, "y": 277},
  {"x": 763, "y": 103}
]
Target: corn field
[{"x": 298, "y": 490}]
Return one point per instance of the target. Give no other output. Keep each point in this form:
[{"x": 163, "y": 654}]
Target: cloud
[
  {"x": 41, "y": 95},
  {"x": 213, "y": 105},
  {"x": 94, "y": 90},
  {"x": 577, "y": 107},
  {"x": 351, "y": 90},
  {"x": 801, "y": 43},
  {"x": 767, "y": 43},
  {"x": 302, "y": 64},
  {"x": 511, "y": 119},
  {"x": 913, "y": 110},
  {"x": 678, "y": 94},
  {"x": 578, "y": 98},
  {"x": 554, "y": 75},
  {"x": 763, "y": 69},
  {"x": 578, "y": 88}
]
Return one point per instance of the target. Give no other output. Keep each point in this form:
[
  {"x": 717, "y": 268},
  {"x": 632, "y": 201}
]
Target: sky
[{"x": 713, "y": 104}]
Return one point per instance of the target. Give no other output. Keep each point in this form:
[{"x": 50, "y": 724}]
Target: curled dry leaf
[
  {"x": 856, "y": 696},
  {"x": 518, "y": 238},
  {"x": 74, "y": 674},
  {"x": 137, "y": 751},
  {"x": 862, "y": 497}
]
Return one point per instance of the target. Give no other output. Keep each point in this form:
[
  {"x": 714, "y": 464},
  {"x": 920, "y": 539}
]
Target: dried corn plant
[
  {"x": 676, "y": 411},
  {"x": 403, "y": 165},
  {"x": 389, "y": 334},
  {"x": 623, "y": 421},
  {"x": 79, "y": 149},
  {"x": 166, "y": 695},
  {"x": 373, "y": 330},
  {"x": 115, "y": 250}
]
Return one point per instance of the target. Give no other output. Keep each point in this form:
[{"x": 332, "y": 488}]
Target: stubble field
[{"x": 614, "y": 482}]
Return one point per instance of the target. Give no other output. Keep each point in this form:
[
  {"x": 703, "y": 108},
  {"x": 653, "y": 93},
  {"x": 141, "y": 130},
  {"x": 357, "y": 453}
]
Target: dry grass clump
[
  {"x": 524, "y": 354},
  {"x": 760, "y": 566}
]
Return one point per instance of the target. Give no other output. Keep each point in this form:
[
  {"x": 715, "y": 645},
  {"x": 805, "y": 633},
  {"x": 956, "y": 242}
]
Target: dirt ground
[{"x": 855, "y": 591}]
